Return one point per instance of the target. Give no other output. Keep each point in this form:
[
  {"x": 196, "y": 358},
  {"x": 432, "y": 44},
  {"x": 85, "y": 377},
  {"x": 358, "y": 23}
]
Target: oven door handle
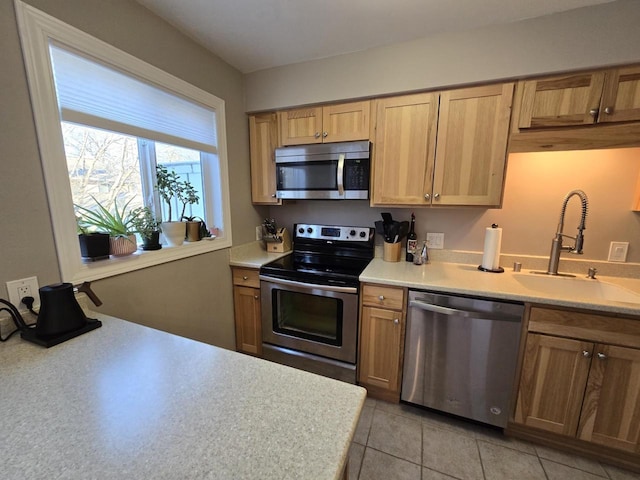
[
  {"x": 340, "y": 174},
  {"x": 292, "y": 283}
]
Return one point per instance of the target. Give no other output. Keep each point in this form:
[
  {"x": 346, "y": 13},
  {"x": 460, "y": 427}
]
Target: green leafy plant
[
  {"x": 169, "y": 186},
  {"x": 145, "y": 222},
  {"x": 117, "y": 222}
]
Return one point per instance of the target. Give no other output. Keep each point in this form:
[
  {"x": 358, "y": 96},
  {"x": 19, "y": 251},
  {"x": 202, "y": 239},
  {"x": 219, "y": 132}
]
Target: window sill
[{"x": 88, "y": 271}]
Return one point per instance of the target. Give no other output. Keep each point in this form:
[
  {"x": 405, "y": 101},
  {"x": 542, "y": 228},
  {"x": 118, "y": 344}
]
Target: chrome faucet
[{"x": 556, "y": 243}]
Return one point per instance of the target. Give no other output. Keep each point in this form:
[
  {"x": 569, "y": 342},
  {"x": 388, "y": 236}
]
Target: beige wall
[
  {"x": 601, "y": 35},
  {"x": 535, "y": 186},
  {"x": 192, "y": 297}
]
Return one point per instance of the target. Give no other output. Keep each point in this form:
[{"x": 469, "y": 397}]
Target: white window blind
[{"x": 92, "y": 93}]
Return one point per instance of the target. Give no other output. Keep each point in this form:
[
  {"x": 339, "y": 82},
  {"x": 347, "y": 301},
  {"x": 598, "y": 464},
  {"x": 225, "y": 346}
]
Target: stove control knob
[
  {"x": 363, "y": 234},
  {"x": 352, "y": 233},
  {"x": 301, "y": 230},
  {"x": 309, "y": 230}
]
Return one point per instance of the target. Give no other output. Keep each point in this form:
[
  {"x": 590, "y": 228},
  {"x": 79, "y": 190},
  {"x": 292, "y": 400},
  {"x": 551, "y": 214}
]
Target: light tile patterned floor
[{"x": 400, "y": 442}]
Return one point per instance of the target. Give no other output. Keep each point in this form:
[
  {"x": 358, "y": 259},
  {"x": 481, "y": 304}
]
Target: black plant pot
[
  {"x": 94, "y": 246},
  {"x": 152, "y": 242}
]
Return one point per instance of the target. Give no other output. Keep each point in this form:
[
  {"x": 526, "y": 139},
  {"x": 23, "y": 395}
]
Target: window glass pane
[
  {"x": 102, "y": 164},
  {"x": 187, "y": 164}
]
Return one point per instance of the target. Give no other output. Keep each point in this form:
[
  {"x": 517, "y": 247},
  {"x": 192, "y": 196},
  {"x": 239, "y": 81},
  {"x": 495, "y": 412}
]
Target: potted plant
[
  {"x": 117, "y": 223},
  {"x": 148, "y": 226},
  {"x": 169, "y": 186},
  {"x": 93, "y": 245}
]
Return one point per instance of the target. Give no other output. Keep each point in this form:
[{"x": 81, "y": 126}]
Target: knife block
[{"x": 279, "y": 242}]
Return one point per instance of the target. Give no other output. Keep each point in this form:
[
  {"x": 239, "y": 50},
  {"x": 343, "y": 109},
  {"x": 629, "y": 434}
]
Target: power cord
[
  {"x": 28, "y": 301},
  {"x": 21, "y": 325}
]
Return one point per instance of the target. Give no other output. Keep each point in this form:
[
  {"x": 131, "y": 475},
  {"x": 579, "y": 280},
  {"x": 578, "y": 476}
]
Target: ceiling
[{"x": 253, "y": 35}]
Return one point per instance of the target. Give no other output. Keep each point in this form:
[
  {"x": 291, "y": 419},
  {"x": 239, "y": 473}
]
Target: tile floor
[{"x": 400, "y": 442}]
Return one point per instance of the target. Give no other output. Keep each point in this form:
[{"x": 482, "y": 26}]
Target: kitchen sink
[{"x": 576, "y": 288}]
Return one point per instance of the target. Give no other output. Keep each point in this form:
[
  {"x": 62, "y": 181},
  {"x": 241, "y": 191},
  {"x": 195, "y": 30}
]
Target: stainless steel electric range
[{"x": 310, "y": 300}]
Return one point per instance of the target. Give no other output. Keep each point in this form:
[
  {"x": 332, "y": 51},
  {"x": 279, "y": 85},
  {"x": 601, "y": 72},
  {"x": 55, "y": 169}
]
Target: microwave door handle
[{"x": 340, "y": 174}]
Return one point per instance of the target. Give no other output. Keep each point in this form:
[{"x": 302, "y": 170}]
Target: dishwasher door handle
[{"x": 430, "y": 307}]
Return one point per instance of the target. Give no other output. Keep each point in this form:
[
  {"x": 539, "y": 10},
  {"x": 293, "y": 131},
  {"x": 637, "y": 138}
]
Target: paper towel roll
[{"x": 491, "y": 254}]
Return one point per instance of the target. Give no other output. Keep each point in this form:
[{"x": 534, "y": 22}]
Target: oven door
[{"x": 317, "y": 319}]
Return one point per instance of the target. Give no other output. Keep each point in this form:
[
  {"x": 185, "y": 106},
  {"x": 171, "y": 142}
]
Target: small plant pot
[
  {"x": 94, "y": 246},
  {"x": 174, "y": 233},
  {"x": 121, "y": 246},
  {"x": 193, "y": 231},
  {"x": 152, "y": 242}
]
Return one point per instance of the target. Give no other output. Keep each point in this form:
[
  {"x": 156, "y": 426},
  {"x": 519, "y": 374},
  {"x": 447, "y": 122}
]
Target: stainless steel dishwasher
[{"x": 460, "y": 355}]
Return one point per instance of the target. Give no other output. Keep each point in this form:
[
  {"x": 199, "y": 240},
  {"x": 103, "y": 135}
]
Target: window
[{"x": 105, "y": 120}]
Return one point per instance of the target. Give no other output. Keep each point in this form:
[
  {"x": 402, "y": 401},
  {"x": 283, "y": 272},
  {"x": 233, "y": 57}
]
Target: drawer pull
[
  {"x": 245, "y": 278},
  {"x": 381, "y": 298}
]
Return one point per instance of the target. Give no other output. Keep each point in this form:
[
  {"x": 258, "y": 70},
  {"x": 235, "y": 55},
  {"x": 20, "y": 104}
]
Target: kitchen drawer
[
  {"x": 587, "y": 326},
  {"x": 246, "y": 277},
  {"x": 378, "y": 296}
]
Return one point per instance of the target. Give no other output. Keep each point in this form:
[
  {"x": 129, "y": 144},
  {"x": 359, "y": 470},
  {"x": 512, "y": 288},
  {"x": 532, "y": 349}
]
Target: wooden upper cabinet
[
  {"x": 263, "y": 140},
  {"x": 331, "y": 123},
  {"x": 581, "y": 99},
  {"x": 566, "y": 100},
  {"x": 611, "y": 408},
  {"x": 473, "y": 129},
  {"x": 404, "y": 151},
  {"x": 552, "y": 383},
  {"x": 621, "y": 96}
]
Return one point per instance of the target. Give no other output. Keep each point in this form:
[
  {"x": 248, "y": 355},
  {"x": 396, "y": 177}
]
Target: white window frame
[{"x": 37, "y": 30}]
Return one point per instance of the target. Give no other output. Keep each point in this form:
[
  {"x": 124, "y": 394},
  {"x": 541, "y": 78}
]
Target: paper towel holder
[
  {"x": 491, "y": 270},
  {"x": 497, "y": 270}
]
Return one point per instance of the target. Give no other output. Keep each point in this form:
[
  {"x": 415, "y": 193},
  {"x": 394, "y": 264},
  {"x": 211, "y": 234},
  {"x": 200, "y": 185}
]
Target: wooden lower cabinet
[
  {"x": 381, "y": 344},
  {"x": 246, "y": 304},
  {"x": 579, "y": 386},
  {"x": 554, "y": 375}
]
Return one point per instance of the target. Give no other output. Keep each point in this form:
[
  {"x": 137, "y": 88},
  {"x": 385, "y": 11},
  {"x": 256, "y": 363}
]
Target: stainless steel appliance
[
  {"x": 331, "y": 171},
  {"x": 460, "y": 355},
  {"x": 310, "y": 300}
]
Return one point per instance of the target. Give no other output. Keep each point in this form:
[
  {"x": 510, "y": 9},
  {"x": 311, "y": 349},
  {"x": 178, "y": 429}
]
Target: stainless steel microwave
[{"x": 329, "y": 171}]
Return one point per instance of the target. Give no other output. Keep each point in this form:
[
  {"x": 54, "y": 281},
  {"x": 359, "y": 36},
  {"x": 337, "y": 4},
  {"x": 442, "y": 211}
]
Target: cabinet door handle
[
  {"x": 256, "y": 297},
  {"x": 396, "y": 321},
  {"x": 586, "y": 354},
  {"x": 608, "y": 110},
  {"x": 602, "y": 356},
  {"x": 317, "y": 135},
  {"x": 427, "y": 196},
  {"x": 593, "y": 112},
  {"x": 381, "y": 298},
  {"x": 273, "y": 195},
  {"x": 324, "y": 134},
  {"x": 436, "y": 195}
]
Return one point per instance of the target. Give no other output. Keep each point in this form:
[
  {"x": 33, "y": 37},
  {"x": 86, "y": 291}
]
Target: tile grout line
[{"x": 484, "y": 475}]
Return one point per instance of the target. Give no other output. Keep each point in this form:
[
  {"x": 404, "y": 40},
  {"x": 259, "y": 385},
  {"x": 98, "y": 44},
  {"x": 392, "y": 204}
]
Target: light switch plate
[
  {"x": 618, "y": 251},
  {"x": 435, "y": 240}
]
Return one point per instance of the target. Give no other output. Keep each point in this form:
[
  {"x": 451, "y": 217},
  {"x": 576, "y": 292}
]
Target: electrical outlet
[
  {"x": 435, "y": 240},
  {"x": 259, "y": 232},
  {"x": 26, "y": 287},
  {"x": 618, "y": 251}
]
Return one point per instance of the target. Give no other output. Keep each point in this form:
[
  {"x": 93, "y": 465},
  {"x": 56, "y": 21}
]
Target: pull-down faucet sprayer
[{"x": 556, "y": 243}]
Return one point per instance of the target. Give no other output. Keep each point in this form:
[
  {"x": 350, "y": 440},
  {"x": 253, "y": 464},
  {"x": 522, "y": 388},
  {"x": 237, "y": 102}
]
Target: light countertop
[
  {"x": 466, "y": 279},
  {"x": 252, "y": 255},
  {"x": 127, "y": 401}
]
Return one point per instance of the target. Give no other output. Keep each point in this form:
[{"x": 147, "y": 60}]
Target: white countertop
[
  {"x": 252, "y": 255},
  {"x": 127, "y": 401},
  {"x": 468, "y": 280}
]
